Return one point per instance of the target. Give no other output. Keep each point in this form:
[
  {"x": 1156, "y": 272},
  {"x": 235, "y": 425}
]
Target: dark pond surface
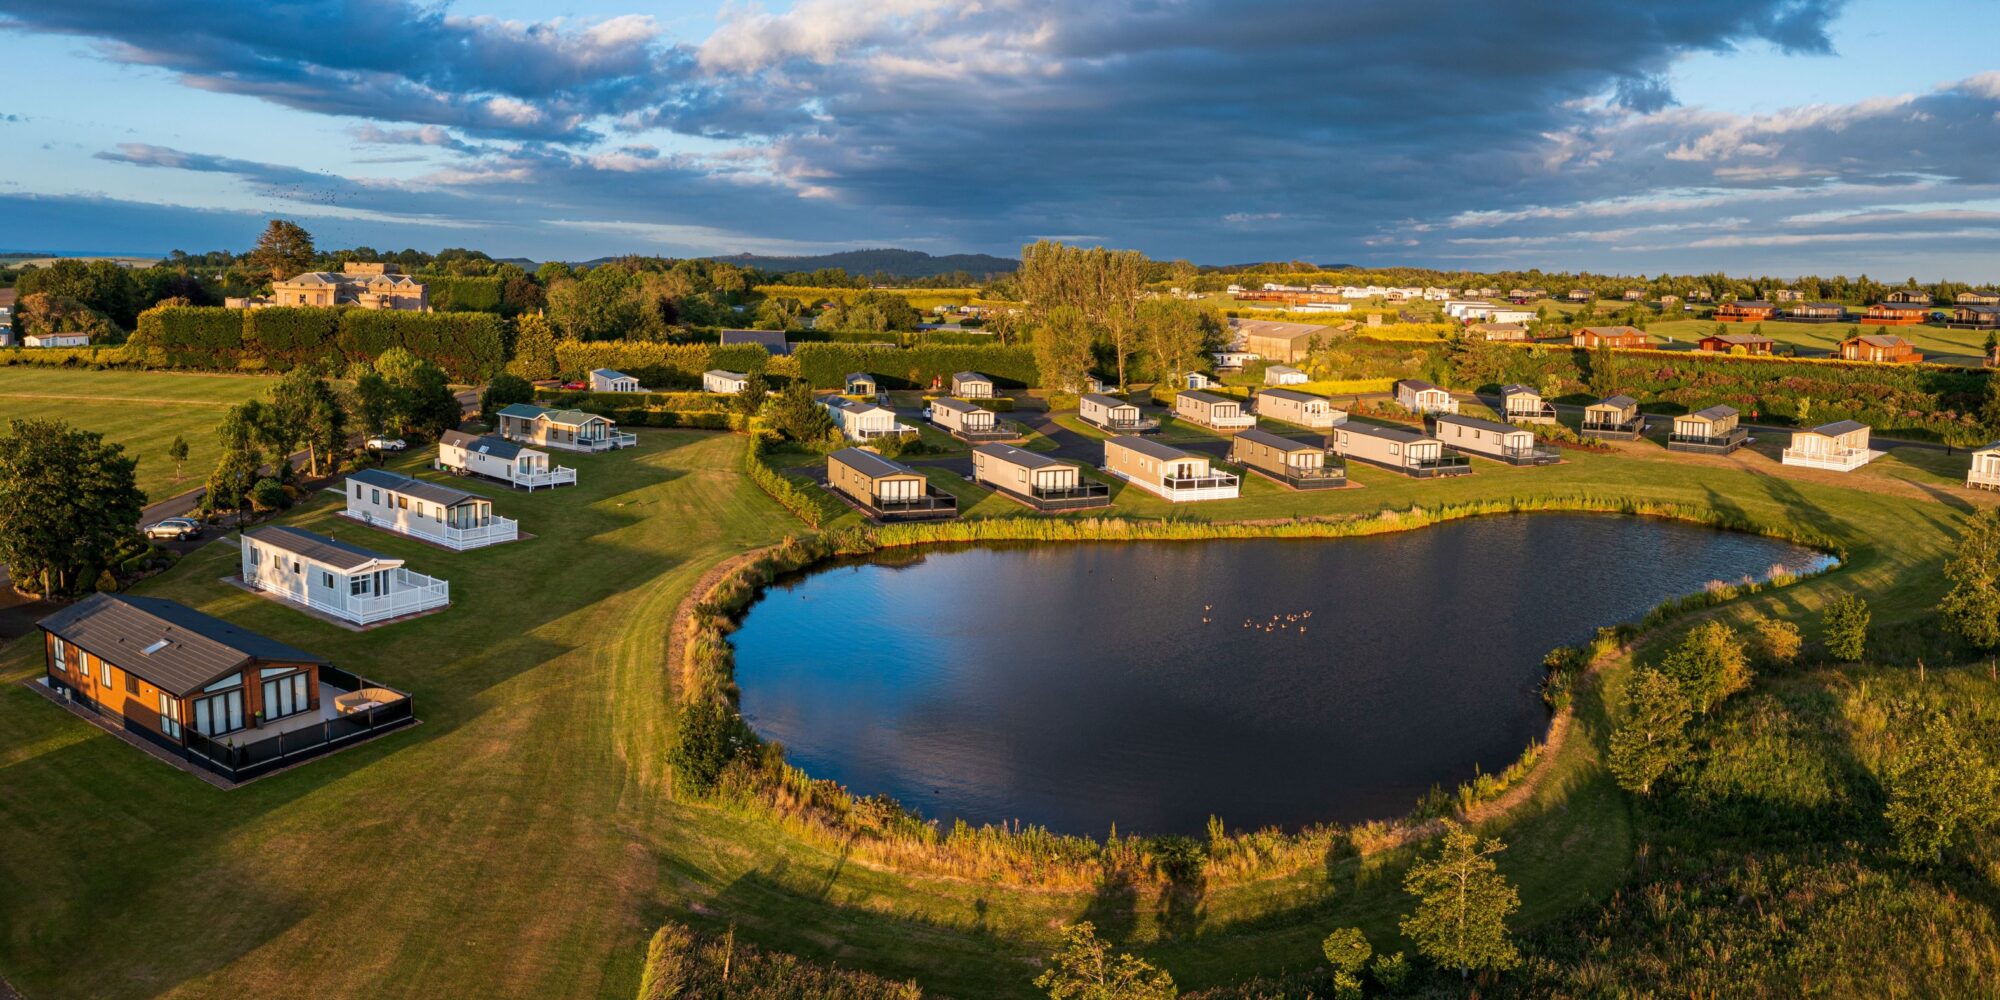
[{"x": 1076, "y": 685}]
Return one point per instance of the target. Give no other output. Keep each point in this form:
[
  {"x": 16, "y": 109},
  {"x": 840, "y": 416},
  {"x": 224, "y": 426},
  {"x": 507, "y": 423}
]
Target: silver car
[{"x": 174, "y": 528}]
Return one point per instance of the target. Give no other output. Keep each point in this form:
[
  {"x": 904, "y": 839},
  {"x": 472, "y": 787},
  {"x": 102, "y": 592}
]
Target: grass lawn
[
  {"x": 144, "y": 411},
  {"x": 521, "y": 841}
]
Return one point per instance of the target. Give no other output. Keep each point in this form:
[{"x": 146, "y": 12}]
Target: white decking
[
  {"x": 1217, "y": 486},
  {"x": 493, "y": 532},
  {"x": 1837, "y": 460},
  {"x": 561, "y": 475},
  {"x": 411, "y": 594}
]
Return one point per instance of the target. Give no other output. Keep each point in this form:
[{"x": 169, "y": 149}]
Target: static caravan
[
  {"x": 862, "y": 421},
  {"x": 1120, "y": 416},
  {"x": 1410, "y": 452},
  {"x": 1177, "y": 475},
  {"x": 1508, "y": 443},
  {"x": 433, "y": 512},
  {"x": 1419, "y": 396},
  {"x": 1886, "y": 348},
  {"x": 1199, "y": 380},
  {"x": 1618, "y": 337},
  {"x": 1302, "y": 465},
  {"x": 724, "y": 382},
  {"x": 1217, "y": 413},
  {"x": 1037, "y": 480},
  {"x": 1522, "y": 404},
  {"x": 886, "y": 490},
  {"x": 570, "y": 430},
  {"x": 498, "y": 458},
  {"x": 606, "y": 380},
  {"x": 335, "y": 578},
  {"x": 1712, "y": 431},
  {"x": 1985, "y": 471},
  {"x": 1293, "y": 407},
  {"x": 1284, "y": 375},
  {"x": 971, "y": 385},
  {"x": 861, "y": 384},
  {"x": 1838, "y": 447},
  {"x": 58, "y": 339},
  {"x": 969, "y": 422},
  {"x": 1613, "y": 417}
]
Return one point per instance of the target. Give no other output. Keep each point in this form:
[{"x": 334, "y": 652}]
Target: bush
[
  {"x": 106, "y": 582},
  {"x": 268, "y": 495},
  {"x": 453, "y": 293},
  {"x": 1709, "y": 665},
  {"x": 1845, "y": 623}
]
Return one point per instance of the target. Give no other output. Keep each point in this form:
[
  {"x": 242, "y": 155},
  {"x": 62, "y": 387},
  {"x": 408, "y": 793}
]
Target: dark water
[{"x": 1076, "y": 685}]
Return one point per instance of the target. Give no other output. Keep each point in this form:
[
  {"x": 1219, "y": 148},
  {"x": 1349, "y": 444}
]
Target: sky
[{"x": 1770, "y": 137}]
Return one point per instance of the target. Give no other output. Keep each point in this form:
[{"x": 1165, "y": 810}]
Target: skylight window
[{"x": 156, "y": 647}]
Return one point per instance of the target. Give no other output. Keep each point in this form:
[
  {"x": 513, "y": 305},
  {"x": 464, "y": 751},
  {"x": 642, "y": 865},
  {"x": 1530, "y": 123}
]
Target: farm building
[
  {"x": 570, "y": 430},
  {"x": 1491, "y": 439},
  {"x": 606, "y": 380},
  {"x": 1713, "y": 430},
  {"x": 1522, "y": 404},
  {"x": 1613, "y": 417},
  {"x": 1840, "y": 446},
  {"x": 498, "y": 458},
  {"x": 1301, "y": 465},
  {"x": 1276, "y": 341},
  {"x": 1037, "y": 480},
  {"x": 886, "y": 490},
  {"x": 1410, "y": 452},
  {"x": 1419, "y": 396},
  {"x": 1616, "y": 337},
  {"x": 1217, "y": 413},
  {"x": 1293, "y": 407},
  {"x": 1179, "y": 476},
  {"x": 335, "y": 578},
  {"x": 1113, "y": 414},
  {"x": 433, "y": 512},
  {"x": 1884, "y": 347}
]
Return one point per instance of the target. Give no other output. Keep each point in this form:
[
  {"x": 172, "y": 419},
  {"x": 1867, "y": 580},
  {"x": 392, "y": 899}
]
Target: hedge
[
  {"x": 450, "y": 293},
  {"x": 288, "y": 336},
  {"x": 468, "y": 346},
  {"x": 189, "y": 337},
  {"x": 809, "y": 504},
  {"x": 825, "y": 366}
]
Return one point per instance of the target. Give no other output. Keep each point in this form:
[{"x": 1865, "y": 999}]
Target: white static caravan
[
  {"x": 342, "y": 580},
  {"x": 570, "y": 430},
  {"x": 510, "y": 462},
  {"x": 1508, "y": 443},
  {"x": 1419, "y": 396},
  {"x": 971, "y": 385},
  {"x": 1301, "y": 408},
  {"x": 863, "y": 421},
  {"x": 1408, "y": 451},
  {"x": 1177, "y": 475},
  {"x": 1217, "y": 413},
  {"x": 1522, "y": 404},
  {"x": 1284, "y": 375},
  {"x": 1985, "y": 471},
  {"x": 1199, "y": 380},
  {"x": 62, "y": 339},
  {"x": 1113, "y": 414},
  {"x": 968, "y": 422},
  {"x": 725, "y": 382},
  {"x": 433, "y": 512},
  {"x": 1840, "y": 446},
  {"x": 606, "y": 380}
]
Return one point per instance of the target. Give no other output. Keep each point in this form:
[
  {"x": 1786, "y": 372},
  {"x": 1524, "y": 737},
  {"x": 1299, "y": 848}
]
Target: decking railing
[
  {"x": 410, "y": 594},
  {"x": 1139, "y": 426},
  {"x": 561, "y": 475},
  {"x": 1709, "y": 442},
  {"x": 1212, "y": 481}
]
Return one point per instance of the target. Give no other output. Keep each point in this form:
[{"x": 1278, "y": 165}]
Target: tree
[
  {"x": 1348, "y": 950},
  {"x": 504, "y": 391},
  {"x": 1101, "y": 285},
  {"x": 751, "y": 399},
  {"x": 427, "y": 405},
  {"x": 178, "y": 451},
  {"x": 1463, "y": 902},
  {"x": 310, "y": 414},
  {"x": 1086, "y": 969},
  {"x": 236, "y": 472},
  {"x": 1845, "y": 622},
  {"x": 1776, "y": 641},
  {"x": 377, "y": 402},
  {"x": 1651, "y": 738},
  {"x": 1175, "y": 332},
  {"x": 1972, "y": 607},
  {"x": 797, "y": 416},
  {"x": 1939, "y": 787},
  {"x": 1061, "y": 344},
  {"x": 268, "y": 495},
  {"x": 1710, "y": 664},
  {"x": 534, "y": 348},
  {"x": 285, "y": 249},
  {"x": 68, "y": 500}
]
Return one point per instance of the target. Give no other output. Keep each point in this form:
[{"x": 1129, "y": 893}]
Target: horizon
[{"x": 1778, "y": 137}]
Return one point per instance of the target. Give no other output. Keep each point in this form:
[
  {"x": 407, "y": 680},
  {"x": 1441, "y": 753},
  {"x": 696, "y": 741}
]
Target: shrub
[
  {"x": 268, "y": 495},
  {"x": 1845, "y": 623},
  {"x": 1775, "y": 641},
  {"x": 1709, "y": 665}
]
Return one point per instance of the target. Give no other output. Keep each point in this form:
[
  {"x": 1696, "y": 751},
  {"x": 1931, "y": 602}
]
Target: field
[
  {"x": 144, "y": 411},
  {"x": 522, "y": 840},
  {"x": 1821, "y": 339}
]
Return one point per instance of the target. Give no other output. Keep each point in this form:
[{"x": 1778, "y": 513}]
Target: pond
[{"x": 1269, "y": 682}]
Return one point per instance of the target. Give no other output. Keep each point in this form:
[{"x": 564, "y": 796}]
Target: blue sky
[{"x": 1763, "y": 136}]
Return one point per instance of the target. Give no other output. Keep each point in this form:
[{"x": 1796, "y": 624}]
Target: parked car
[
  {"x": 386, "y": 444},
  {"x": 573, "y": 386},
  {"x": 174, "y": 528}
]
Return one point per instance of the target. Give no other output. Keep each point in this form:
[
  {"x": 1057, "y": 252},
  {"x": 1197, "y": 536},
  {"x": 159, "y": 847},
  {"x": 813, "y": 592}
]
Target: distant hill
[{"x": 901, "y": 263}]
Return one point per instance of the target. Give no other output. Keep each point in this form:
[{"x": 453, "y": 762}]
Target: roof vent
[{"x": 156, "y": 647}]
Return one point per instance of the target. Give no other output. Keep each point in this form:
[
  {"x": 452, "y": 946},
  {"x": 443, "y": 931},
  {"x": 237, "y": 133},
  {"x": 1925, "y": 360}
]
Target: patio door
[
  {"x": 220, "y": 714},
  {"x": 286, "y": 695}
]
